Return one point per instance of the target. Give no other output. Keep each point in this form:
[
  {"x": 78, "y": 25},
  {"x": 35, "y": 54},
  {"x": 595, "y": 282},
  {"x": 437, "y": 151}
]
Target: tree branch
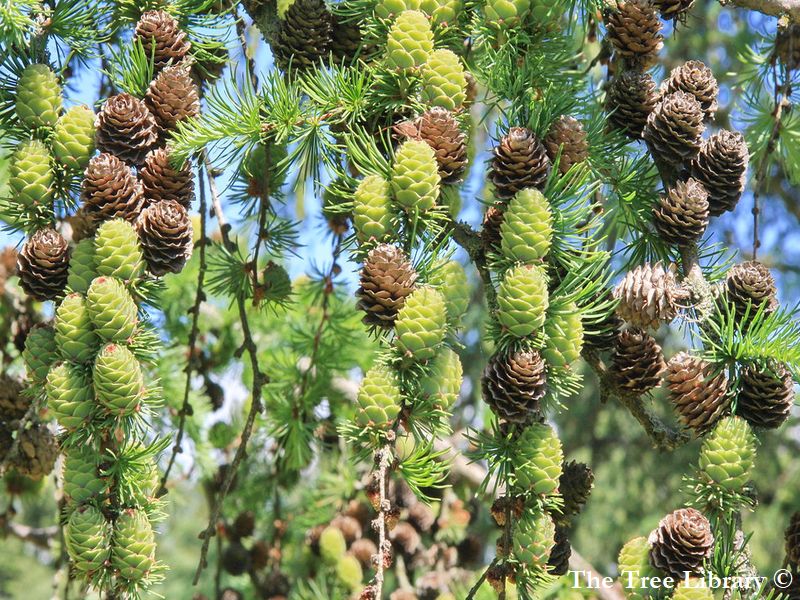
[
  {"x": 773, "y": 8},
  {"x": 41, "y": 537}
]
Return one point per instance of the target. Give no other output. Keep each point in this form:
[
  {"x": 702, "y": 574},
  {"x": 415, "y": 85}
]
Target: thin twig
[
  {"x": 384, "y": 457},
  {"x": 475, "y": 588},
  {"x": 469, "y": 239}
]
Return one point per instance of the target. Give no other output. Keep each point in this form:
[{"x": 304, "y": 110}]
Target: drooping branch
[{"x": 773, "y": 8}]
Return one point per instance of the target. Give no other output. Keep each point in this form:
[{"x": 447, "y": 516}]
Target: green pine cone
[
  {"x": 73, "y": 143},
  {"x": 443, "y": 81},
  {"x": 633, "y": 565},
  {"x": 527, "y": 228},
  {"x": 421, "y": 323},
  {"x": 332, "y": 545},
  {"x": 522, "y": 299},
  {"x": 82, "y": 266},
  {"x": 117, "y": 251},
  {"x": 410, "y": 41},
  {"x": 87, "y": 538},
  {"x": 389, "y": 9},
  {"x": 112, "y": 309},
  {"x": 728, "y": 453},
  {"x": 378, "y": 398},
  {"x": 75, "y": 336},
  {"x": 134, "y": 546},
  {"x": 40, "y": 352},
  {"x": 372, "y": 213},
  {"x": 149, "y": 480},
  {"x": 533, "y": 540},
  {"x": 82, "y": 479},
  {"x": 69, "y": 396},
  {"x": 451, "y": 280},
  {"x": 30, "y": 176},
  {"x": 441, "y": 11},
  {"x": 349, "y": 572},
  {"x": 442, "y": 382},
  {"x": 38, "y": 97},
  {"x": 506, "y": 13},
  {"x": 564, "y": 332},
  {"x": 538, "y": 460},
  {"x": 415, "y": 176},
  {"x": 694, "y": 589},
  {"x": 118, "y": 380}
]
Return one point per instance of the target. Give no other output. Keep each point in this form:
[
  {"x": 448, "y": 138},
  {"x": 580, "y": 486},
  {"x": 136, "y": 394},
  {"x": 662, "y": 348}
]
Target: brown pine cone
[
  {"x": 681, "y": 216},
  {"x": 634, "y": 30},
  {"x": 165, "y": 233},
  {"x": 244, "y": 524},
  {"x": 792, "y": 537},
  {"x": 126, "y": 128},
  {"x": 699, "y": 391},
  {"x": 649, "y": 295},
  {"x": 363, "y": 550},
  {"x": 695, "y": 78},
  {"x": 439, "y": 129},
  {"x": 721, "y": 166},
  {"x": 637, "y": 362},
  {"x": 158, "y": 28},
  {"x": 386, "y": 279},
  {"x": 42, "y": 264},
  {"x": 674, "y": 129},
  {"x": 405, "y": 538},
  {"x": 110, "y": 190},
  {"x": 235, "y": 558},
  {"x": 674, "y": 9},
  {"x": 304, "y": 35},
  {"x": 575, "y": 485},
  {"x": 492, "y": 220},
  {"x": 161, "y": 181},
  {"x": 682, "y": 542},
  {"x": 520, "y": 161},
  {"x": 350, "y": 527},
  {"x": 749, "y": 286},
  {"x": 13, "y": 403},
  {"x": 345, "y": 40},
  {"x": 766, "y": 396},
  {"x": 558, "y": 563},
  {"x": 630, "y": 100},
  {"x": 37, "y": 451},
  {"x": 82, "y": 224},
  {"x": 567, "y": 136},
  {"x": 421, "y": 516},
  {"x": 514, "y": 385},
  {"x": 172, "y": 97}
]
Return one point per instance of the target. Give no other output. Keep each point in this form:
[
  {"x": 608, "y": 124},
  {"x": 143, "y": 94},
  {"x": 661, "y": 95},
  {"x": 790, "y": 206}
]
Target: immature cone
[
  {"x": 13, "y": 403},
  {"x": 30, "y": 176},
  {"x": 533, "y": 540},
  {"x": 630, "y": 100},
  {"x": 69, "y": 396},
  {"x": 699, "y": 391},
  {"x": 74, "y": 334},
  {"x": 389, "y": 9},
  {"x": 421, "y": 324},
  {"x": 750, "y": 286},
  {"x": 82, "y": 267},
  {"x": 766, "y": 396},
  {"x": 522, "y": 300},
  {"x": 126, "y": 128},
  {"x": 82, "y": 479},
  {"x": 506, "y": 13},
  {"x": 693, "y": 589},
  {"x": 161, "y": 181},
  {"x": 442, "y": 382},
  {"x": 42, "y": 264},
  {"x": 439, "y": 129},
  {"x": 634, "y": 30},
  {"x": 728, "y": 454},
  {"x": 37, "y": 451},
  {"x": 87, "y": 537},
  {"x": 378, "y": 398},
  {"x": 112, "y": 309},
  {"x": 682, "y": 542},
  {"x": 415, "y": 176},
  {"x": 110, "y": 190},
  {"x": 520, "y": 161},
  {"x": 649, "y": 295},
  {"x": 792, "y": 536},
  {"x": 118, "y": 380},
  {"x": 633, "y": 564},
  {"x": 117, "y": 253},
  {"x": 721, "y": 166},
  {"x": 564, "y": 331},
  {"x": 527, "y": 228},
  {"x": 674, "y": 129},
  {"x": 161, "y": 36},
  {"x": 172, "y": 97},
  {"x": 681, "y": 216},
  {"x": 513, "y": 385},
  {"x": 165, "y": 231},
  {"x": 558, "y": 562},
  {"x": 73, "y": 142},
  {"x": 637, "y": 361},
  {"x": 134, "y": 547},
  {"x": 451, "y": 280},
  {"x": 568, "y": 137},
  {"x": 695, "y": 78},
  {"x": 443, "y": 81},
  {"x": 38, "y": 101},
  {"x": 304, "y": 35},
  {"x": 538, "y": 459},
  {"x": 386, "y": 280},
  {"x": 372, "y": 212},
  {"x": 40, "y": 352},
  {"x": 575, "y": 485},
  {"x": 441, "y": 11}
]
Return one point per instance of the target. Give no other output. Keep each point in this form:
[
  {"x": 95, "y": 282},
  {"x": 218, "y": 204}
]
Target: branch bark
[{"x": 773, "y": 8}]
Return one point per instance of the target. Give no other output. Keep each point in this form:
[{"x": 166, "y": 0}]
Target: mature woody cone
[
  {"x": 634, "y": 30},
  {"x": 637, "y": 362},
  {"x": 161, "y": 36},
  {"x": 440, "y": 130},
  {"x": 674, "y": 129},
  {"x": 674, "y": 9},
  {"x": 126, "y": 128},
  {"x": 699, "y": 391},
  {"x": 695, "y": 78},
  {"x": 492, "y": 220},
  {"x": 520, "y": 161},
  {"x": 749, "y": 286},
  {"x": 682, "y": 542},
  {"x": 13, "y": 403},
  {"x": 36, "y": 452},
  {"x": 303, "y": 35},
  {"x": 514, "y": 385},
  {"x": 558, "y": 563},
  {"x": 765, "y": 396},
  {"x": 165, "y": 231},
  {"x": 161, "y": 181},
  {"x": 681, "y": 216},
  {"x": 386, "y": 280},
  {"x": 345, "y": 40},
  {"x": 575, "y": 486},
  {"x": 172, "y": 97},
  {"x": 721, "y": 166},
  {"x": 568, "y": 137},
  {"x": 649, "y": 295},
  {"x": 110, "y": 190},
  {"x": 792, "y": 537},
  {"x": 630, "y": 100},
  {"x": 43, "y": 263}
]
